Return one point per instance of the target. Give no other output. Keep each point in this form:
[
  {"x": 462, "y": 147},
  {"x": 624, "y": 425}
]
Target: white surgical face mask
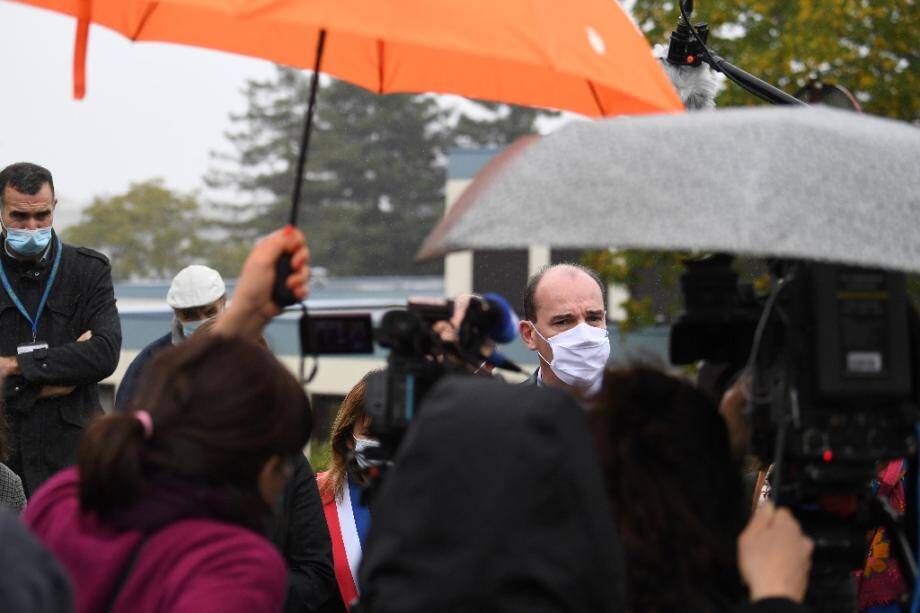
[
  {"x": 362, "y": 444},
  {"x": 579, "y": 355}
]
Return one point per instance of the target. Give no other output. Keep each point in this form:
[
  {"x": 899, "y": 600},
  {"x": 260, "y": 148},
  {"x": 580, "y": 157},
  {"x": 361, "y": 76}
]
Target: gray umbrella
[{"x": 814, "y": 183}]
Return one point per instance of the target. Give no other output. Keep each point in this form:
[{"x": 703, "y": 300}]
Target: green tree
[
  {"x": 503, "y": 125},
  {"x": 374, "y": 185},
  {"x": 869, "y": 47},
  {"x": 148, "y": 232}
]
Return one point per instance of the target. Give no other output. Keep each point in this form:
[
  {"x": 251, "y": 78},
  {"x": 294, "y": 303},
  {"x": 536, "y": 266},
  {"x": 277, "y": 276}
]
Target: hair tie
[{"x": 146, "y": 422}]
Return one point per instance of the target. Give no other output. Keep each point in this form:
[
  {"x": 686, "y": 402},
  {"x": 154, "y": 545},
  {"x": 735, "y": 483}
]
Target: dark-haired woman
[
  {"x": 167, "y": 508},
  {"x": 678, "y": 497},
  {"x": 299, "y": 531}
]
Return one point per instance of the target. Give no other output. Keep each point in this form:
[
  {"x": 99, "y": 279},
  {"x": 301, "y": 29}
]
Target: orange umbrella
[{"x": 585, "y": 56}]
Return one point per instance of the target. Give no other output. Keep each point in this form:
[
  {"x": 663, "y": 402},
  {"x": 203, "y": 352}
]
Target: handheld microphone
[
  {"x": 489, "y": 318},
  {"x": 504, "y": 321}
]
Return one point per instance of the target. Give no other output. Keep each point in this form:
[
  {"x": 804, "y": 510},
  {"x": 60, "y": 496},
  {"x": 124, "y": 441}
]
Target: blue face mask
[
  {"x": 189, "y": 327},
  {"x": 28, "y": 242}
]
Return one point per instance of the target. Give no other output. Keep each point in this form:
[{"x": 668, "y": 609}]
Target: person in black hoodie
[{"x": 497, "y": 503}]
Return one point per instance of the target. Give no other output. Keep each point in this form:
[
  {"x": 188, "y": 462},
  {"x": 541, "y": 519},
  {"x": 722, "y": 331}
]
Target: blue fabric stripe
[{"x": 362, "y": 513}]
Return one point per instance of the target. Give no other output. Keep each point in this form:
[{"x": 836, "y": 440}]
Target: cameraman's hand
[
  {"x": 252, "y": 307},
  {"x": 448, "y": 330},
  {"x": 735, "y": 409},
  {"x": 774, "y": 557}
]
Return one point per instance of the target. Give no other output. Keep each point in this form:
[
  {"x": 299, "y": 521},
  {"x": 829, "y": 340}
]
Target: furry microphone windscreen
[{"x": 697, "y": 86}]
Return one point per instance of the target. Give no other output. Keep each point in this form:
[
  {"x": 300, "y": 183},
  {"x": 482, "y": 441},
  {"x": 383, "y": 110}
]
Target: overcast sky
[{"x": 150, "y": 110}]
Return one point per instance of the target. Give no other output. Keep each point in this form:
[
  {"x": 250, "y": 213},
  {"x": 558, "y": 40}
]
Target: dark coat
[
  {"x": 132, "y": 379},
  {"x": 495, "y": 504},
  {"x": 301, "y": 535},
  {"x": 31, "y": 579},
  {"x": 46, "y": 431}
]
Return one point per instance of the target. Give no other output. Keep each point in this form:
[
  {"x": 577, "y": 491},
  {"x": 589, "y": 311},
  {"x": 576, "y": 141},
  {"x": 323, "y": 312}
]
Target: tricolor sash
[{"x": 348, "y": 523}]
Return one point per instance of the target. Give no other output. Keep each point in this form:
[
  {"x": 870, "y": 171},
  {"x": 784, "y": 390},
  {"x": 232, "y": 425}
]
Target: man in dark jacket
[
  {"x": 53, "y": 297},
  {"x": 565, "y": 323}
]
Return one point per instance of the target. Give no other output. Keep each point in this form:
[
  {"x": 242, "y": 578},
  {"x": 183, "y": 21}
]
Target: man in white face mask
[{"x": 565, "y": 323}]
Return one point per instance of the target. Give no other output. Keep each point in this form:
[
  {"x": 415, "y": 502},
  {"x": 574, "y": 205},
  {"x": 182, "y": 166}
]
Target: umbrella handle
[{"x": 281, "y": 295}]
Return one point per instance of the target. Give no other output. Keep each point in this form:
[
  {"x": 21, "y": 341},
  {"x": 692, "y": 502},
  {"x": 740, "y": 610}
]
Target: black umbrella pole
[
  {"x": 307, "y": 130},
  {"x": 281, "y": 295}
]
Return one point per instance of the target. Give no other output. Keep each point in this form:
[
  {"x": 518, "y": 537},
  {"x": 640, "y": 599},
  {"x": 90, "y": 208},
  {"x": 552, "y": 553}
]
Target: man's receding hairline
[{"x": 572, "y": 270}]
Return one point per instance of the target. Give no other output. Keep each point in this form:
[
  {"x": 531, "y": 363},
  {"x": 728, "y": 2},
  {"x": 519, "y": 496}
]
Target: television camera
[
  {"x": 832, "y": 352},
  {"x": 420, "y": 354}
]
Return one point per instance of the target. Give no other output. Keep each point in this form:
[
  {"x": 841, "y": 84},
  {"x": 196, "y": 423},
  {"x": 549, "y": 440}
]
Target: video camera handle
[{"x": 742, "y": 78}]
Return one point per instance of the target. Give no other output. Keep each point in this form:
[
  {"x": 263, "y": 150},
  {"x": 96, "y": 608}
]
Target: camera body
[{"x": 418, "y": 355}]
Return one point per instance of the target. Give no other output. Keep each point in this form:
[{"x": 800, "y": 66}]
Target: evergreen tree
[
  {"x": 503, "y": 126},
  {"x": 374, "y": 185}
]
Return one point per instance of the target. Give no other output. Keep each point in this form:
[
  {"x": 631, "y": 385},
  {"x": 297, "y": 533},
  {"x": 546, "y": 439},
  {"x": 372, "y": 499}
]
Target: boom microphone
[{"x": 696, "y": 83}]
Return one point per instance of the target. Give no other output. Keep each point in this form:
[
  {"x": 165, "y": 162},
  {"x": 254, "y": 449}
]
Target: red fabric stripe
[{"x": 343, "y": 576}]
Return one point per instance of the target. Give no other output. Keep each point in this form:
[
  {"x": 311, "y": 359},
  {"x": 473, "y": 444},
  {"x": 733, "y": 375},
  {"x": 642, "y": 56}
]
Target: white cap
[{"x": 195, "y": 286}]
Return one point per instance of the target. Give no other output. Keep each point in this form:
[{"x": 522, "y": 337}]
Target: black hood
[{"x": 496, "y": 504}]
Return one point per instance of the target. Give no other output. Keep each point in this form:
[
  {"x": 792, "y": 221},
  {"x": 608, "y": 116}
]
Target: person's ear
[{"x": 527, "y": 334}]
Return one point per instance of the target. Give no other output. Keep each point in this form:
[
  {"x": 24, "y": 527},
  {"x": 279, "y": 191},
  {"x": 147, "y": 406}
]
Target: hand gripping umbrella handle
[{"x": 281, "y": 295}]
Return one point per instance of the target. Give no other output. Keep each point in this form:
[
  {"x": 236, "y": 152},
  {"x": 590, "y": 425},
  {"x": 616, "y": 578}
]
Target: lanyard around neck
[{"x": 45, "y": 294}]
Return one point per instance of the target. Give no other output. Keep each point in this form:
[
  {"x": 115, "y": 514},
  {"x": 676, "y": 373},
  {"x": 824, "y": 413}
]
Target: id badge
[{"x": 30, "y": 347}]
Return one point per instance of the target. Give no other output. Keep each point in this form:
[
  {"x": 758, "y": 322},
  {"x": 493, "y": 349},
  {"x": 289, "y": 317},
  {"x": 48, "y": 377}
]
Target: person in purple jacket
[{"x": 168, "y": 506}]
